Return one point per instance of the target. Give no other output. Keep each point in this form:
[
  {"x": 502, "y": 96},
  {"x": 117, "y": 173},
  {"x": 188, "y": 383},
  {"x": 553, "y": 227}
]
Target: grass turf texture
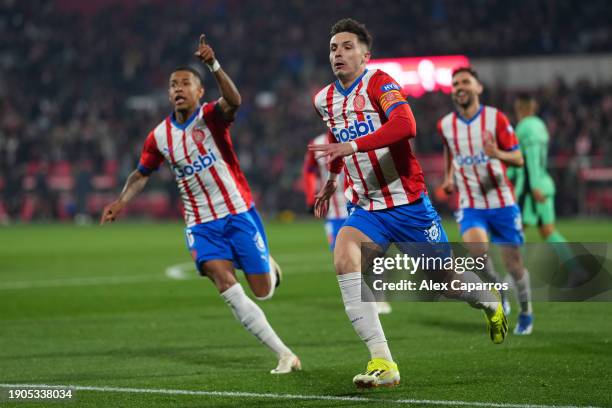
[{"x": 155, "y": 332}]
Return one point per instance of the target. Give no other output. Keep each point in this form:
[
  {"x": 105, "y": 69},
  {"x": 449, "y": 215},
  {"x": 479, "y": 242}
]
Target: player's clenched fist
[
  {"x": 111, "y": 211},
  {"x": 205, "y": 51},
  {"x": 448, "y": 186},
  {"x": 490, "y": 146}
]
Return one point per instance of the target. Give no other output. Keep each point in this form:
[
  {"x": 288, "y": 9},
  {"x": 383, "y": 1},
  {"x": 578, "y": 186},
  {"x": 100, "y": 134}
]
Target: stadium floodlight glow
[{"x": 418, "y": 75}]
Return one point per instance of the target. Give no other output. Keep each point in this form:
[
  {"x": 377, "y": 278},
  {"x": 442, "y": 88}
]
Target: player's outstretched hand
[
  {"x": 204, "y": 52},
  {"x": 332, "y": 151},
  {"x": 111, "y": 211},
  {"x": 321, "y": 204}
]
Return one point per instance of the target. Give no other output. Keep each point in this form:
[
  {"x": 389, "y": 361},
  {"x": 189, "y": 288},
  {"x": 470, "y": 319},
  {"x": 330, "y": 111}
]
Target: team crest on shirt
[
  {"x": 432, "y": 234},
  {"x": 359, "y": 102},
  {"x": 198, "y": 135}
]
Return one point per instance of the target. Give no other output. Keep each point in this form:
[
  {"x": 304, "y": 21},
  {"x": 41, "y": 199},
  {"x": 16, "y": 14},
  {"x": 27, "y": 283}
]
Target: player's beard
[{"x": 467, "y": 103}]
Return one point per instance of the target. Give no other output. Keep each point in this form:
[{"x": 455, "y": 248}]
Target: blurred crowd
[{"x": 82, "y": 83}]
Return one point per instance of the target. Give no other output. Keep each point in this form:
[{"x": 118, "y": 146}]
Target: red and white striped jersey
[
  {"x": 316, "y": 165},
  {"x": 481, "y": 181},
  {"x": 201, "y": 156},
  {"x": 378, "y": 179}
]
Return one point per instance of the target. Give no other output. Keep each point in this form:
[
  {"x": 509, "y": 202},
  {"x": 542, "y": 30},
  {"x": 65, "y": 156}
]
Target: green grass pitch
[{"x": 91, "y": 306}]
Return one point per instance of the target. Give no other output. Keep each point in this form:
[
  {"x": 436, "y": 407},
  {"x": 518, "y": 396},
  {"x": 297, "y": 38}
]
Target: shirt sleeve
[
  {"x": 386, "y": 92},
  {"x": 506, "y": 138},
  {"x": 315, "y": 107},
  {"x": 212, "y": 114},
  {"x": 150, "y": 158}
]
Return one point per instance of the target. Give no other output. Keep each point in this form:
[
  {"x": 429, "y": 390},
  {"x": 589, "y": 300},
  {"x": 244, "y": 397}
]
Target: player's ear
[
  {"x": 479, "y": 88},
  {"x": 367, "y": 57}
]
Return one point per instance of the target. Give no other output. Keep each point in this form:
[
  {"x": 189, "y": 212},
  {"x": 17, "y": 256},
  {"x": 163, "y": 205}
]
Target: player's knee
[
  {"x": 345, "y": 262},
  {"x": 477, "y": 249},
  {"x": 223, "y": 280},
  {"x": 348, "y": 251},
  {"x": 261, "y": 285},
  {"x": 547, "y": 230},
  {"x": 513, "y": 262},
  {"x": 263, "y": 291}
]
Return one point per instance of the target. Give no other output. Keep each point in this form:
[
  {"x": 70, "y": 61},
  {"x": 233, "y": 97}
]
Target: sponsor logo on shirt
[
  {"x": 201, "y": 163},
  {"x": 480, "y": 158},
  {"x": 355, "y": 130},
  {"x": 390, "y": 87}
]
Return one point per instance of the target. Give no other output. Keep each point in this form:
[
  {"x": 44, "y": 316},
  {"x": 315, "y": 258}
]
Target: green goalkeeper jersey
[{"x": 533, "y": 138}]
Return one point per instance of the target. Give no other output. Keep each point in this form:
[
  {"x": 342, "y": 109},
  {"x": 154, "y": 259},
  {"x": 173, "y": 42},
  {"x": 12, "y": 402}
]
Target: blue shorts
[
  {"x": 417, "y": 222},
  {"x": 332, "y": 228},
  {"x": 238, "y": 238},
  {"x": 502, "y": 224}
]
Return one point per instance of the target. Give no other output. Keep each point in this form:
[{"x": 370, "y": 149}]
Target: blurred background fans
[{"x": 83, "y": 82}]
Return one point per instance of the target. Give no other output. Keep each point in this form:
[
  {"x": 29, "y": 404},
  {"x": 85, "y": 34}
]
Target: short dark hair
[
  {"x": 352, "y": 26},
  {"x": 525, "y": 97},
  {"x": 191, "y": 69},
  {"x": 467, "y": 69}
]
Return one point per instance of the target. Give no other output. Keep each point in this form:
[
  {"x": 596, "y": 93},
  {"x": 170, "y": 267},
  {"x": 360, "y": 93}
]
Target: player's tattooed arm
[
  {"x": 230, "y": 97},
  {"x": 134, "y": 184}
]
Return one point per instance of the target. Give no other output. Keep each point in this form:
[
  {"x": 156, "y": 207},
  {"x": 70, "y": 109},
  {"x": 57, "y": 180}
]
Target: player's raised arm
[
  {"x": 230, "y": 97},
  {"x": 135, "y": 182}
]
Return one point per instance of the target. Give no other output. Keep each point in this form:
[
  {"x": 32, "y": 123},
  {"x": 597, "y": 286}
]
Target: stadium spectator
[{"x": 72, "y": 89}]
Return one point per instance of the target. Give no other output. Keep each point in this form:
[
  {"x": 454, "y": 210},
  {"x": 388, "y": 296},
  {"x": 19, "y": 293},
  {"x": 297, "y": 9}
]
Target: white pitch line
[
  {"x": 240, "y": 394},
  {"x": 182, "y": 271},
  {"x": 91, "y": 281},
  {"x": 186, "y": 271}
]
